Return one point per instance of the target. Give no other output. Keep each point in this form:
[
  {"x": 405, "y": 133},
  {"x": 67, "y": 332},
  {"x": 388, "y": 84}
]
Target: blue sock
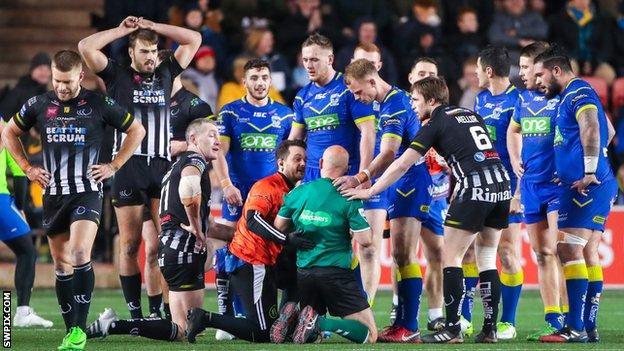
[
  {"x": 592, "y": 301},
  {"x": 237, "y": 304},
  {"x": 511, "y": 287},
  {"x": 471, "y": 279},
  {"x": 576, "y": 282},
  {"x": 410, "y": 289},
  {"x": 552, "y": 316}
]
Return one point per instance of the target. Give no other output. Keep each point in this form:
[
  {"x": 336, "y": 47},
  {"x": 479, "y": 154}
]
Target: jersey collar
[{"x": 287, "y": 181}]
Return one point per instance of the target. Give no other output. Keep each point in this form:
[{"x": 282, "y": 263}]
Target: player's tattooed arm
[
  {"x": 589, "y": 130},
  {"x": 91, "y": 47},
  {"x": 514, "y": 146}
]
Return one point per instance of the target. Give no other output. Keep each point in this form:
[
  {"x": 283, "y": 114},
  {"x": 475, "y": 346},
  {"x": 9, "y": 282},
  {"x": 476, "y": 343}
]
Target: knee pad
[
  {"x": 486, "y": 257},
  {"x": 572, "y": 239}
]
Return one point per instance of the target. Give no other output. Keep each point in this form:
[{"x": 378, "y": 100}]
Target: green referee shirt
[
  {"x": 7, "y": 161},
  {"x": 319, "y": 211}
]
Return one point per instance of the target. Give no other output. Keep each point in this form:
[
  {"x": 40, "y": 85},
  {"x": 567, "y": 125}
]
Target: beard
[{"x": 553, "y": 89}]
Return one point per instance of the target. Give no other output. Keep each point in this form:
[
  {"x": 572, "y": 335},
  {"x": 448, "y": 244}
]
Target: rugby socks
[
  {"x": 131, "y": 287},
  {"x": 575, "y": 273},
  {"x": 592, "y": 301},
  {"x": 25, "y": 257},
  {"x": 82, "y": 284},
  {"x": 151, "y": 328},
  {"x": 154, "y": 304},
  {"x": 241, "y": 328},
  {"x": 65, "y": 298},
  {"x": 409, "y": 288},
  {"x": 565, "y": 311},
  {"x": 355, "y": 267},
  {"x": 167, "y": 311},
  {"x": 453, "y": 285},
  {"x": 511, "y": 287},
  {"x": 552, "y": 316},
  {"x": 490, "y": 290},
  {"x": 349, "y": 329},
  {"x": 471, "y": 279}
]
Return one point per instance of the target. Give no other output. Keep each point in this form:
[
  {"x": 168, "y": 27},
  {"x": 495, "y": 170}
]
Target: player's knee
[
  {"x": 151, "y": 256},
  {"x": 434, "y": 257},
  {"x": 80, "y": 256},
  {"x": 130, "y": 249},
  {"x": 544, "y": 255},
  {"x": 368, "y": 254}
]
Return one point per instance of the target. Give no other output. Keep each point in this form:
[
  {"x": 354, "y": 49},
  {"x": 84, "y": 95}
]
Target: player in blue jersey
[
  {"x": 408, "y": 198},
  {"x": 530, "y": 143},
  {"x": 251, "y": 128},
  {"x": 496, "y": 105},
  {"x": 327, "y": 114},
  {"x": 588, "y": 190}
]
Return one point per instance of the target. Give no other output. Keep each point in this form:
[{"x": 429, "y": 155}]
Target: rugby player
[
  {"x": 255, "y": 252},
  {"x": 72, "y": 122},
  {"x": 182, "y": 250},
  {"x": 324, "y": 277},
  {"x": 408, "y": 199},
  {"x": 588, "y": 190},
  {"x": 15, "y": 234},
  {"x": 530, "y": 143},
  {"x": 145, "y": 89},
  {"x": 480, "y": 205},
  {"x": 496, "y": 105},
  {"x": 326, "y": 113}
]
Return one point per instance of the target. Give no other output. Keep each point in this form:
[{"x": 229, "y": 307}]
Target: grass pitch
[{"x": 530, "y": 317}]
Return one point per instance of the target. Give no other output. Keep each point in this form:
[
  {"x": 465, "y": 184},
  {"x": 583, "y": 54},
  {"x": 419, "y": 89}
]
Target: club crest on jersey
[
  {"x": 276, "y": 121},
  {"x": 232, "y": 209},
  {"x": 333, "y": 99},
  {"x": 552, "y": 104},
  {"x": 52, "y": 112},
  {"x": 496, "y": 112}
]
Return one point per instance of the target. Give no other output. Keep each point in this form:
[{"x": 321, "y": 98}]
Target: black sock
[
  {"x": 65, "y": 298},
  {"x": 131, "y": 286},
  {"x": 82, "y": 285},
  {"x": 453, "y": 284},
  {"x": 26, "y": 256},
  {"x": 489, "y": 288},
  {"x": 167, "y": 311},
  {"x": 151, "y": 328},
  {"x": 154, "y": 304},
  {"x": 224, "y": 295},
  {"x": 241, "y": 328}
]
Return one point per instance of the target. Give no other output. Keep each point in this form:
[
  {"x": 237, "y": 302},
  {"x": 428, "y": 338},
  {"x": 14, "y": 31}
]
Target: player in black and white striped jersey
[{"x": 145, "y": 89}]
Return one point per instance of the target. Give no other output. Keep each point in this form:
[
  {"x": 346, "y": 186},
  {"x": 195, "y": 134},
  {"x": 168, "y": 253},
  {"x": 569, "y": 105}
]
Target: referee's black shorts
[
  {"x": 139, "y": 180},
  {"x": 469, "y": 212},
  {"x": 60, "y": 211},
  {"x": 330, "y": 289}
]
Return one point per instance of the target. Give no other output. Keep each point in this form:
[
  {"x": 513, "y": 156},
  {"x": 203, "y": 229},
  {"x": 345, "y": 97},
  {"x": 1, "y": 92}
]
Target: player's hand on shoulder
[
  {"x": 345, "y": 182},
  {"x": 582, "y": 184},
  {"x": 300, "y": 242},
  {"x": 38, "y": 175},
  {"x": 233, "y": 195},
  {"x": 101, "y": 172},
  {"x": 356, "y": 194}
]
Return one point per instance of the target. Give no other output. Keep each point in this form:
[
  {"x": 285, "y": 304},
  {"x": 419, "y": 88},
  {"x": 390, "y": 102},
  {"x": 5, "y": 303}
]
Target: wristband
[
  {"x": 361, "y": 177},
  {"x": 226, "y": 183},
  {"x": 367, "y": 173},
  {"x": 591, "y": 164}
]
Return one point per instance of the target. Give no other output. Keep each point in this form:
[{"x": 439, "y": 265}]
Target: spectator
[
  {"x": 451, "y": 9},
  {"x": 233, "y": 90},
  {"x": 299, "y": 75},
  {"x": 260, "y": 43},
  {"x": 194, "y": 19},
  {"x": 32, "y": 84},
  {"x": 349, "y": 11},
  {"x": 515, "y": 27},
  {"x": 469, "y": 84},
  {"x": 203, "y": 75},
  {"x": 586, "y": 35},
  {"x": 466, "y": 43},
  {"x": 419, "y": 36},
  {"x": 367, "y": 34}
]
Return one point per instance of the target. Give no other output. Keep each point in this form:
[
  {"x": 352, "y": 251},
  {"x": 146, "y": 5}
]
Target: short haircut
[
  {"x": 283, "y": 150},
  {"x": 320, "y": 40},
  {"x": 472, "y": 60},
  {"x": 426, "y": 60},
  {"x": 464, "y": 10},
  {"x": 144, "y": 35},
  {"x": 425, "y": 3},
  {"x": 534, "y": 49},
  {"x": 432, "y": 88},
  {"x": 369, "y": 47},
  {"x": 554, "y": 56},
  {"x": 497, "y": 58},
  {"x": 66, "y": 60},
  {"x": 358, "y": 70},
  {"x": 257, "y": 63},
  {"x": 196, "y": 126}
]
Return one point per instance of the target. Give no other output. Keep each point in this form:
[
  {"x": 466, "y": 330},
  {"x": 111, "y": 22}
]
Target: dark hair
[
  {"x": 318, "y": 39},
  {"x": 464, "y": 10},
  {"x": 554, "y": 56},
  {"x": 144, "y": 35},
  {"x": 426, "y": 60},
  {"x": 256, "y": 63},
  {"x": 283, "y": 150},
  {"x": 66, "y": 60},
  {"x": 534, "y": 49},
  {"x": 432, "y": 88},
  {"x": 497, "y": 58}
]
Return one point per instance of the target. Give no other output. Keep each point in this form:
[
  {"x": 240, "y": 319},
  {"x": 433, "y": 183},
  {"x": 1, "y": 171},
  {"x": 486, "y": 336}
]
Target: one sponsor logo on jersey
[
  {"x": 535, "y": 126},
  {"x": 258, "y": 141},
  {"x": 52, "y": 112},
  {"x": 483, "y": 194},
  {"x": 84, "y": 112},
  {"x": 322, "y": 122},
  {"x": 492, "y": 132},
  {"x": 70, "y": 134},
  {"x": 149, "y": 97},
  {"x": 316, "y": 218},
  {"x": 479, "y": 157}
]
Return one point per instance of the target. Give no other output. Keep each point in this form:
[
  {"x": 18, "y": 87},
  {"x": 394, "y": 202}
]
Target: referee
[{"x": 480, "y": 202}]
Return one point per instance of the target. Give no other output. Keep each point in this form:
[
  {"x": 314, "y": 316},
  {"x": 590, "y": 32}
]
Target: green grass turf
[{"x": 530, "y": 317}]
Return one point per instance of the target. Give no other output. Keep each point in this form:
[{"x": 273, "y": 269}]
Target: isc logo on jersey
[
  {"x": 322, "y": 122},
  {"x": 258, "y": 141},
  {"x": 535, "y": 126}
]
